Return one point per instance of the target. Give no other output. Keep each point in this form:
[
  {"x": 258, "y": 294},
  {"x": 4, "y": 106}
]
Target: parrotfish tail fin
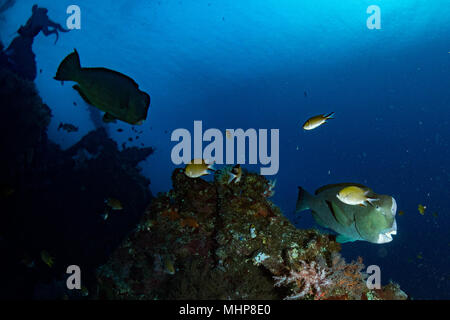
[
  {"x": 329, "y": 116},
  {"x": 232, "y": 177},
  {"x": 69, "y": 67},
  {"x": 303, "y": 200}
]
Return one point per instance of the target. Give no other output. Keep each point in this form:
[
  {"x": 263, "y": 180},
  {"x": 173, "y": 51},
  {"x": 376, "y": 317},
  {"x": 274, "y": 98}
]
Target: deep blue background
[{"x": 246, "y": 64}]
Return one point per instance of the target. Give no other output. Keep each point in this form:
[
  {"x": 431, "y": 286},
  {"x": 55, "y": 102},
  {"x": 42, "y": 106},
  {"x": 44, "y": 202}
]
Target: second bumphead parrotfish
[
  {"x": 110, "y": 91},
  {"x": 374, "y": 224}
]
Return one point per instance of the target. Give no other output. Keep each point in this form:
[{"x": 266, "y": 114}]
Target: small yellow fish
[
  {"x": 419, "y": 256},
  {"x": 168, "y": 266},
  {"x": 401, "y": 212},
  {"x": 354, "y": 195},
  {"x": 198, "y": 168},
  {"x": 114, "y": 204},
  {"x": 317, "y": 121},
  {"x": 235, "y": 174},
  {"x": 421, "y": 209},
  {"x": 47, "y": 258}
]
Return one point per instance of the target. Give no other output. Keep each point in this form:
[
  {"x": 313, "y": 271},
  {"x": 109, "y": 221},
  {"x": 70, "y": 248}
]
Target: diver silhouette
[{"x": 21, "y": 58}]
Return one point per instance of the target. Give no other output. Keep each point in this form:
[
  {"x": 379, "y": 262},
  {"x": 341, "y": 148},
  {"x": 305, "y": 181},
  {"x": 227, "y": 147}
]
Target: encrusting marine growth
[{"x": 220, "y": 240}]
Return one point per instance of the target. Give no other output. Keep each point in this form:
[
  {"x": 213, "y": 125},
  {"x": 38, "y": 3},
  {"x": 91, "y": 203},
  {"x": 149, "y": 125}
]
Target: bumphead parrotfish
[
  {"x": 374, "y": 224},
  {"x": 110, "y": 91}
]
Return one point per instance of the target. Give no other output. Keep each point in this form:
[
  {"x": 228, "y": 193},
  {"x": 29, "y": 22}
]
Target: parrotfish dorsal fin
[{"x": 343, "y": 185}]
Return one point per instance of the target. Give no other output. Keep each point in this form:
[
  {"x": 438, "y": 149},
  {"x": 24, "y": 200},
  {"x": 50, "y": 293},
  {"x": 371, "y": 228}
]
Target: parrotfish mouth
[{"x": 385, "y": 236}]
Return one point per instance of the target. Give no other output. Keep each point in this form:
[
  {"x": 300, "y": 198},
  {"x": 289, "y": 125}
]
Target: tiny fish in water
[
  {"x": 421, "y": 209},
  {"x": 119, "y": 130},
  {"x": 114, "y": 204},
  {"x": 198, "y": 168},
  {"x": 401, "y": 212},
  {"x": 317, "y": 121},
  {"x": 168, "y": 266},
  {"x": 47, "y": 258},
  {"x": 235, "y": 174},
  {"x": 67, "y": 127},
  {"x": 74, "y": 103}
]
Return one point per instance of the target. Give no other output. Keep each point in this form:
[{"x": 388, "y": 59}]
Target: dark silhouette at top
[
  {"x": 38, "y": 22},
  {"x": 6, "y": 4},
  {"x": 20, "y": 56}
]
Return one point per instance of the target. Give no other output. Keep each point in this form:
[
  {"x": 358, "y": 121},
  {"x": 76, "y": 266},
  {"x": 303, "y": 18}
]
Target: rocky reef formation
[
  {"x": 214, "y": 240},
  {"x": 53, "y": 200}
]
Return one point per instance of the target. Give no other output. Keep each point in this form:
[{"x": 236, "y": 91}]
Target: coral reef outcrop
[{"x": 214, "y": 240}]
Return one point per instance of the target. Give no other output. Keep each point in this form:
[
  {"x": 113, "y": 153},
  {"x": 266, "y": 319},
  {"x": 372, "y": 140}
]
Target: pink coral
[
  {"x": 323, "y": 282},
  {"x": 311, "y": 279}
]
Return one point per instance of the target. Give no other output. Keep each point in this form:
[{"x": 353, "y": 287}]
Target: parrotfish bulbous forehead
[{"x": 378, "y": 225}]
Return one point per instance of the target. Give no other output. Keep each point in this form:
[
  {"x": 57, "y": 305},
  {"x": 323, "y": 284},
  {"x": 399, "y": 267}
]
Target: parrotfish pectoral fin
[
  {"x": 343, "y": 239},
  {"x": 302, "y": 200},
  {"x": 339, "y": 214},
  {"x": 371, "y": 200},
  {"x": 82, "y": 95},
  {"x": 107, "y": 118}
]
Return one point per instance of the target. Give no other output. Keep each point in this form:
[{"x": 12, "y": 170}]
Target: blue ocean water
[{"x": 272, "y": 64}]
